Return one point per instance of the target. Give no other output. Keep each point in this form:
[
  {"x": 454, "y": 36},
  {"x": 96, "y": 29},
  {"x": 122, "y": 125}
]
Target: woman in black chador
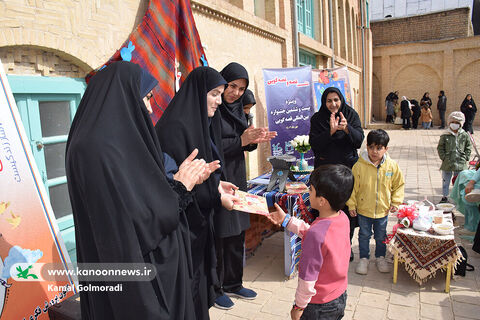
[
  {"x": 191, "y": 121},
  {"x": 125, "y": 209},
  {"x": 335, "y": 135},
  {"x": 469, "y": 109}
]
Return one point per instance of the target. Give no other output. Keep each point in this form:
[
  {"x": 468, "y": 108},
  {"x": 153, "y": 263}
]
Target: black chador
[{"x": 125, "y": 210}]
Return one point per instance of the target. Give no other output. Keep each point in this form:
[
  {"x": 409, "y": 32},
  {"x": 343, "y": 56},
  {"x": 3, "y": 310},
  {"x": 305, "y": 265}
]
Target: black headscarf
[
  {"x": 341, "y": 148},
  {"x": 234, "y": 71},
  {"x": 123, "y": 206},
  {"x": 248, "y": 98}
]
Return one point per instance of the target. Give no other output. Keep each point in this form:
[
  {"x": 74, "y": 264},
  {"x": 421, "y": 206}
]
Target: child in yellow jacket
[{"x": 378, "y": 189}]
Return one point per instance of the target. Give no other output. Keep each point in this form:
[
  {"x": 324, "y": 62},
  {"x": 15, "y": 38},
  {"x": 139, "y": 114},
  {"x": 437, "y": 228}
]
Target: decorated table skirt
[
  {"x": 423, "y": 253},
  {"x": 297, "y": 205}
]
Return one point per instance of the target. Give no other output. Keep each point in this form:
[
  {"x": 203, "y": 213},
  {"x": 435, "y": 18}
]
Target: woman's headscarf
[
  {"x": 185, "y": 126},
  {"x": 344, "y": 150},
  {"x": 324, "y": 114},
  {"x": 248, "y": 98},
  {"x": 343, "y": 107},
  {"x": 234, "y": 71}
]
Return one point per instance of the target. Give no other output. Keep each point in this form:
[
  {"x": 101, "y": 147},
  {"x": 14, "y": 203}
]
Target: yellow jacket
[{"x": 376, "y": 189}]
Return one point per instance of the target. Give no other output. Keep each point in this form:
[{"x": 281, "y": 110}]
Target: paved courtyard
[{"x": 373, "y": 296}]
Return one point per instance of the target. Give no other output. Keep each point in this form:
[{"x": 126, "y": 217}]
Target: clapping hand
[
  {"x": 257, "y": 135},
  {"x": 338, "y": 123},
  {"x": 343, "y": 125},
  {"x": 194, "y": 171},
  {"x": 191, "y": 170}
]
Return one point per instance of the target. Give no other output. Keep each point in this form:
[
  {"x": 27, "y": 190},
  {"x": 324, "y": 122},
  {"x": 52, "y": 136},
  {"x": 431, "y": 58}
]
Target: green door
[{"x": 47, "y": 107}]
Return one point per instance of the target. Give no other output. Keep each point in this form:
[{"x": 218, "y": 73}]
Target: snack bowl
[
  {"x": 443, "y": 228},
  {"x": 446, "y": 207}
]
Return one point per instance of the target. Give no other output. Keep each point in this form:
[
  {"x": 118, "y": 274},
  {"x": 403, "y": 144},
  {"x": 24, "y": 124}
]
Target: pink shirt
[{"x": 323, "y": 267}]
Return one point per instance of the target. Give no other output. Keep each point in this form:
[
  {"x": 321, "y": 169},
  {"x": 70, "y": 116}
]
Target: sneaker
[
  {"x": 473, "y": 196},
  {"x": 382, "y": 265},
  {"x": 243, "y": 293},
  {"x": 362, "y": 266},
  {"x": 444, "y": 200},
  {"x": 223, "y": 302}
]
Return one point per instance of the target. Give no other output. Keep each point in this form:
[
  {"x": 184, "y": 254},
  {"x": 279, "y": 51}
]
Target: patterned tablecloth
[
  {"x": 297, "y": 205},
  {"x": 424, "y": 253}
]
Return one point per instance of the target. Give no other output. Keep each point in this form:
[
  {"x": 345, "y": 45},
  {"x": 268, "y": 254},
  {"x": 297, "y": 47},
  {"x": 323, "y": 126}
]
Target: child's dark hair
[
  {"x": 334, "y": 182},
  {"x": 378, "y": 137}
]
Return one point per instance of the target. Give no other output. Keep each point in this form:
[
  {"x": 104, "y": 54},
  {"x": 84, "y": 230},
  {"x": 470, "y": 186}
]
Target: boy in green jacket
[
  {"x": 454, "y": 149},
  {"x": 378, "y": 189}
]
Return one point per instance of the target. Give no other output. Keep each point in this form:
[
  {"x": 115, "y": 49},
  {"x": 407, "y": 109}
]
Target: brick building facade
[
  {"x": 414, "y": 67},
  {"x": 70, "y": 38}
]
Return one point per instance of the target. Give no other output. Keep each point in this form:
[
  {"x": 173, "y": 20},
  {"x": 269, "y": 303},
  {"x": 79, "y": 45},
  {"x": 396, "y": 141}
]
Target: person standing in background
[
  {"x": 469, "y": 109},
  {"x": 442, "y": 107}
]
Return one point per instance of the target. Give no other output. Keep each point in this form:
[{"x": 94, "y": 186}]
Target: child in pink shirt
[{"x": 323, "y": 268}]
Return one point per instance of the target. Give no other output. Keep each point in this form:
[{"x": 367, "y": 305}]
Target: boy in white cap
[{"x": 454, "y": 150}]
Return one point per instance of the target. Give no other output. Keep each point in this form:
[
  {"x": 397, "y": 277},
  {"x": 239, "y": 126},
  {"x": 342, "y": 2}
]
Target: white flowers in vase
[{"x": 301, "y": 143}]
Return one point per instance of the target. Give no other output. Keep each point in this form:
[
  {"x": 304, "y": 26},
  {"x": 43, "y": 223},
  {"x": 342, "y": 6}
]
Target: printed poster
[
  {"x": 251, "y": 203},
  {"x": 337, "y": 77},
  {"x": 29, "y": 233},
  {"x": 288, "y": 94}
]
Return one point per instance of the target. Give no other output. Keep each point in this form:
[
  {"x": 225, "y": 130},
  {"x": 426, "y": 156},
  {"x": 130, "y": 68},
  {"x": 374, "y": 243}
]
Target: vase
[{"x": 302, "y": 163}]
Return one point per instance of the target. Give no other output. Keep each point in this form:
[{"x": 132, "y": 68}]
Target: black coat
[
  {"x": 124, "y": 208},
  {"x": 468, "y": 112},
  {"x": 232, "y": 223},
  {"x": 339, "y": 148},
  {"x": 184, "y": 126},
  {"x": 405, "y": 108},
  {"x": 442, "y": 103}
]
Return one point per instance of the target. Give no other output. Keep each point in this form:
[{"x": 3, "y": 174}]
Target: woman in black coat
[
  {"x": 237, "y": 137},
  {"x": 406, "y": 112},
  {"x": 416, "y": 111},
  {"x": 335, "y": 135},
  {"x": 469, "y": 109},
  {"x": 124, "y": 207}
]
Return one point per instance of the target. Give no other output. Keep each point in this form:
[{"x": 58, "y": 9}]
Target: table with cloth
[
  {"x": 424, "y": 253},
  {"x": 297, "y": 205}
]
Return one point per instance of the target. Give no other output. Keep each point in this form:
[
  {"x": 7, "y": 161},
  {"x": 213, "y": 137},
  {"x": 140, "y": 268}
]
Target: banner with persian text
[{"x": 289, "y": 99}]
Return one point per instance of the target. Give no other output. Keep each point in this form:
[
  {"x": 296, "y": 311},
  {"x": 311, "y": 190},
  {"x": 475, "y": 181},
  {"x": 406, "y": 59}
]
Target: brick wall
[
  {"x": 415, "y": 68},
  {"x": 439, "y": 25}
]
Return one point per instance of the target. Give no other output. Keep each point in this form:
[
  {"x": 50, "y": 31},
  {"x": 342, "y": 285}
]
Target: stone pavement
[{"x": 373, "y": 296}]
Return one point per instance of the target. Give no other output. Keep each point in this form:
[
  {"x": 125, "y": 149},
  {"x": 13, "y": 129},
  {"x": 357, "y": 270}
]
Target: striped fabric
[
  {"x": 166, "y": 34},
  {"x": 296, "y": 205}
]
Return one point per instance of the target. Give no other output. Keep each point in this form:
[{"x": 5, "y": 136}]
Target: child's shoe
[
  {"x": 473, "y": 196},
  {"x": 362, "y": 266},
  {"x": 382, "y": 265}
]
